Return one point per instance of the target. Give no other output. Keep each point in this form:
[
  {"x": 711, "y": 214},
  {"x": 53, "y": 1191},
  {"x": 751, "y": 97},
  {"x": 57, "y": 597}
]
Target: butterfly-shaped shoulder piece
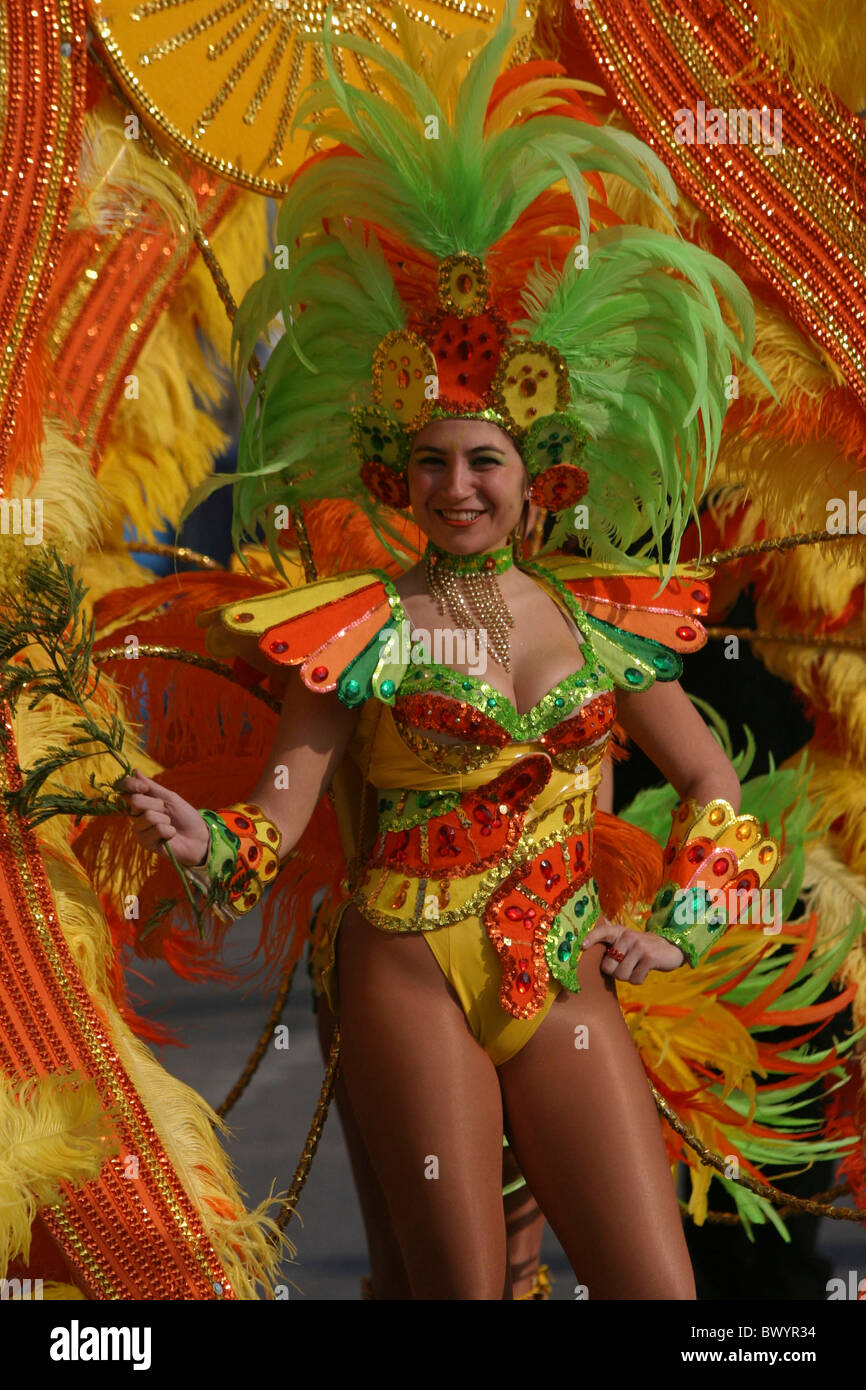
[
  {"x": 345, "y": 632},
  {"x": 336, "y": 630},
  {"x": 637, "y": 629}
]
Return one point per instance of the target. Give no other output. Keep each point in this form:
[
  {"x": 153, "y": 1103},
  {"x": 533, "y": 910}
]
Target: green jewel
[
  {"x": 467, "y": 685},
  {"x": 387, "y": 688},
  {"x": 564, "y": 951},
  {"x": 491, "y": 703},
  {"x": 559, "y": 702},
  {"x": 633, "y": 675},
  {"x": 353, "y": 686},
  {"x": 497, "y": 561}
]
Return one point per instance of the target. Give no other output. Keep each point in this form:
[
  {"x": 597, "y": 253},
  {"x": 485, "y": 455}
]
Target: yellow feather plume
[
  {"x": 812, "y": 41},
  {"x": 117, "y": 178},
  {"x": 187, "y": 1126},
  {"x": 53, "y": 1129},
  {"x": 165, "y": 442}
]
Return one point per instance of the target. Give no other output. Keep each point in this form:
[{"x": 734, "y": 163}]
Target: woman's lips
[{"x": 460, "y": 517}]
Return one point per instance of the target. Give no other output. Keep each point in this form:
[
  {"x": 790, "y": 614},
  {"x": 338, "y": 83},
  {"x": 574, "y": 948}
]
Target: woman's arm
[
  {"x": 665, "y": 724},
  {"x": 311, "y": 738},
  {"x": 309, "y": 744}
]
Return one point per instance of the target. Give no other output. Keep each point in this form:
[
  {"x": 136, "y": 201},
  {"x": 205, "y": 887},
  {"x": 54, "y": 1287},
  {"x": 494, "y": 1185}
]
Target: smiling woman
[
  {"x": 466, "y": 476},
  {"x": 471, "y": 945}
]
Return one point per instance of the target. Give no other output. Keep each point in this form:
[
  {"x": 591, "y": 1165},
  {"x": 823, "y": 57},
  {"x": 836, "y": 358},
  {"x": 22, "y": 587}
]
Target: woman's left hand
[{"x": 636, "y": 952}]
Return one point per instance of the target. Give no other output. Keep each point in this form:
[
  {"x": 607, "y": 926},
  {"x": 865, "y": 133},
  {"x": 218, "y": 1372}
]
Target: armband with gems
[
  {"x": 714, "y": 862},
  {"x": 241, "y": 860}
]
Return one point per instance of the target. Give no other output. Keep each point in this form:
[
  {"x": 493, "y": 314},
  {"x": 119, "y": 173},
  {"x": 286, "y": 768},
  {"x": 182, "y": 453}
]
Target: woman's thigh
[
  {"x": 427, "y": 1101},
  {"x": 585, "y": 1131}
]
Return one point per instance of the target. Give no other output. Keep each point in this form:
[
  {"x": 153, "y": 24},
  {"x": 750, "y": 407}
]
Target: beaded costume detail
[{"x": 497, "y": 826}]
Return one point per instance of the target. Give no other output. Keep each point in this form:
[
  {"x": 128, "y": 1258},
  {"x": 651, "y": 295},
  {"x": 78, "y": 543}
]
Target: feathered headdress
[{"x": 441, "y": 260}]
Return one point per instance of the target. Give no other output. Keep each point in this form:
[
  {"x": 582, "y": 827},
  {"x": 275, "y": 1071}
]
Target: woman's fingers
[
  {"x": 631, "y": 965},
  {"x": 602, "y": 931},
  {"x": 640, "y": 972}
]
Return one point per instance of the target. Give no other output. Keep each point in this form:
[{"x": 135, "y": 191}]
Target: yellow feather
[
  {"x": 53, "y": 1129},
  {"x": 187, "y": 1126},
  {"x": 66, "y": 1292},
  {"x": 812, "y": 41},
  {"x": 164, "y": 443},
  {"x": 117, "y": 178}
]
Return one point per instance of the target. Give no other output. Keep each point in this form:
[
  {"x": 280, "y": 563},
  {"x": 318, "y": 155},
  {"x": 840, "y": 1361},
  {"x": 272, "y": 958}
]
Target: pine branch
[{"x": 46, "y": 613}]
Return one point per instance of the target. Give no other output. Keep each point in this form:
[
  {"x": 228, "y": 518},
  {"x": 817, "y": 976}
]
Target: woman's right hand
[{"x": 160, "y": 815}]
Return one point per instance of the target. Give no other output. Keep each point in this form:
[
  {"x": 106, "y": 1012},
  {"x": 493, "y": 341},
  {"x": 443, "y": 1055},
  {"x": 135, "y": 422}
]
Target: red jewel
[
  {"x": 696, "y": 854},
  {"x": 490, "y": 563},
  {"x": 720, "y": 867},
  {"x": 700, "y": 596},
  {"x": 686, "y": 634},
  {"x": 319, "y": 674},
  {"x": 279, "y": 646},
  {"x": 244, "y": 617},
  {"x": 241, "y": 823}
]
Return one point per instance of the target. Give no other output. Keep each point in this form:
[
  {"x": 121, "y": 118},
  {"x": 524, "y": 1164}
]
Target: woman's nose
[{"x": 457, "y": 481}]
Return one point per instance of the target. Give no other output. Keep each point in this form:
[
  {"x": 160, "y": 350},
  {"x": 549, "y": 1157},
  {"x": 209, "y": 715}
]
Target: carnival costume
[{"x": 426, "y": 281}]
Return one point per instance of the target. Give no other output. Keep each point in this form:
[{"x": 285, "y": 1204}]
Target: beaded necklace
[
  {"x": 466, "y": 591},
  {"x": 576, "y": 689}
]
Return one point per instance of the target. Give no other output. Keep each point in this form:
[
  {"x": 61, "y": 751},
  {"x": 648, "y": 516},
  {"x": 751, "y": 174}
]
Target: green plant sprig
[{"x": 46, "y": 613}]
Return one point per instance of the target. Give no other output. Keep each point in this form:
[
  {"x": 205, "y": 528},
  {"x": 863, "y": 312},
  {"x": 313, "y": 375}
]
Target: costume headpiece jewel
[{"x": 453, "y": 256}]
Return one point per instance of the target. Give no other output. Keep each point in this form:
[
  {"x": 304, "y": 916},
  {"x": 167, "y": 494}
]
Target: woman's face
[{"x": 467, "y": 484}]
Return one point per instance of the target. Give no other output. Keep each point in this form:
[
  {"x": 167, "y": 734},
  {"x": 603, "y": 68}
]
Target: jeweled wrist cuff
[
  {"x": 714, "y": 860},
  {"x": 243, "y": 858}
]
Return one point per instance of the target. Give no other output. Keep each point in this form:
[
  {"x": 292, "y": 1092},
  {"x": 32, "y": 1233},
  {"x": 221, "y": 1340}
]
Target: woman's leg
[
  {"x": 387, "y": 1272},
  {"x": 585, "y": 1131},
  {"x": 524, "y": 1227},
  {"x": 426, "y": 1099},
  {"x": 524, "y": 1221}
]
